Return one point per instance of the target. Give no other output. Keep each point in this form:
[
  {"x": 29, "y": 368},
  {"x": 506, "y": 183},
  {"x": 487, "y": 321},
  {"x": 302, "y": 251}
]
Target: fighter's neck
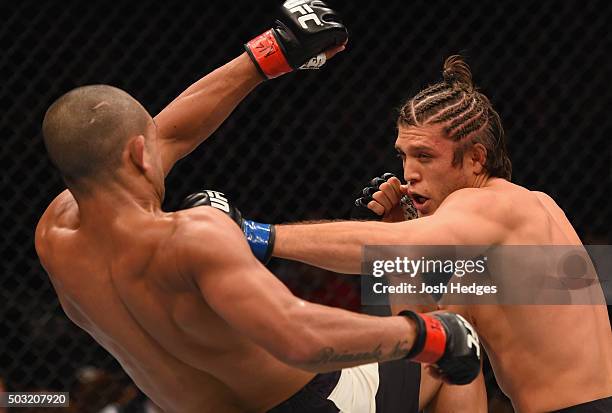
[
  {"x": 482, "y": 180},
  {"x": 110, "y": 201}
]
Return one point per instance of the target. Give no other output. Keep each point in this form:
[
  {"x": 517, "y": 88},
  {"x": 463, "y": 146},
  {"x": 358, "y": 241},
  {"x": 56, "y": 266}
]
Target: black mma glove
[
  {"x": 361, "y": 210},
  {"x": 259, "y": 236},
  {"x": 303, "y": 31},
  {"x": 449, "y": 342}
]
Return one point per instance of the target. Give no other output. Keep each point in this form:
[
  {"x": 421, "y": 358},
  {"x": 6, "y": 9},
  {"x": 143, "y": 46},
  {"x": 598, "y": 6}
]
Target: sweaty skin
[
  {"x": 177, "y": 298},
  {"x": 544, "y": 357}
]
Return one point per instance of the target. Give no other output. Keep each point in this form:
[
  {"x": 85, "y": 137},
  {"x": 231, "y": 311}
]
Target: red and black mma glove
[
  {"x": 361, "y": 210},
  {"x": 259, "y": 236},
  {"x": 303, "y": 31},
  {"x": 449, "y": 342}
]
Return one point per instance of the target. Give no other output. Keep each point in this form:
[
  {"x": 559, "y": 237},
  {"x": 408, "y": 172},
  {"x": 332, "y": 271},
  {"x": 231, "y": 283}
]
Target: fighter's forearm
[
  {"x": 348, "y": 339},
  {"x": 336, "y": 246},
  {"x": 238, "y": 74},
  {"x": 197, "y": 112}
]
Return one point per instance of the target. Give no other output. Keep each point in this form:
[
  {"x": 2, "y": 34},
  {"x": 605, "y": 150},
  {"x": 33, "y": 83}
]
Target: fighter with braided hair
[{"x": 452, "y": 146}]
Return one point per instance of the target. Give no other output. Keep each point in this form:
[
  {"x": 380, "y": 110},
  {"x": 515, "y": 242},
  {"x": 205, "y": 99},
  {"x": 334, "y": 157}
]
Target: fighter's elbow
[
  {"x": 299, "y": 356},
  {"x": 299, "y": 345},
  {"x": 305, "y": 356}
]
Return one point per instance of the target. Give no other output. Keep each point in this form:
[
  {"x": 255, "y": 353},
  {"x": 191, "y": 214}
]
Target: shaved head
[{"x": 86, "y": 129}]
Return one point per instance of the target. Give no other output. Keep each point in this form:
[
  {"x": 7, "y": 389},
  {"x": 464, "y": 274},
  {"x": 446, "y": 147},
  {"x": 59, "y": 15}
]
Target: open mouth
[{"x": 418, "y": 199}]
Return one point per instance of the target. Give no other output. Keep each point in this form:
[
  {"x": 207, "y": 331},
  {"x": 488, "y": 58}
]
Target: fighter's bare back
[{"x": 123, "y": 288}]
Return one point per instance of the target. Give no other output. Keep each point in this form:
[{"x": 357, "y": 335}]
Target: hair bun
[{"x": 457, "y": 73}]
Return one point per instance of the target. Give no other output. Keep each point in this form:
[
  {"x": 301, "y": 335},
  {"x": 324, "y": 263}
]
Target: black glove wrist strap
[{"x": 419, "y": 342}]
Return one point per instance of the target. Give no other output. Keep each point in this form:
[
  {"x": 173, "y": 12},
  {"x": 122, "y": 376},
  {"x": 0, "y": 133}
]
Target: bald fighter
[
  {"x": 178, "y": 298},
  {"x": 452, "y": 146}
]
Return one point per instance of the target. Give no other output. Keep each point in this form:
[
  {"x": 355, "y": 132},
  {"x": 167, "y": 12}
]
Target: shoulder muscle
[
  {"x": 208, "y": 242},
  {"x": 466, "y": 217},
  {"x": 49, "y": 219}
]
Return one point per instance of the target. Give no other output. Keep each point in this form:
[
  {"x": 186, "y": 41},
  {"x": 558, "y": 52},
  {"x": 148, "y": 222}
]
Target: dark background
[{"x": 299, "y": 147}]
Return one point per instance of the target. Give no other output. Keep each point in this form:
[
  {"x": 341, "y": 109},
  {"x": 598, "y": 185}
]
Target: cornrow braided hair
[{"x": 466, "y": 115}]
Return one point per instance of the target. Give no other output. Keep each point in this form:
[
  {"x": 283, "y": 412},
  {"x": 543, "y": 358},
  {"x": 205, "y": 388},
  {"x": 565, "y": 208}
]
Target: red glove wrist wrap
[
  {"x": 268, "y": 55},
  {"x": 430, "y": 343},
  {"x": 435, "y": 341}
]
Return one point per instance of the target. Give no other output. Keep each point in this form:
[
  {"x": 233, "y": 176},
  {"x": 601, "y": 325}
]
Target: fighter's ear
[
  {"x": 478, "y": 158},
  {"x": 137, "y": 152}
]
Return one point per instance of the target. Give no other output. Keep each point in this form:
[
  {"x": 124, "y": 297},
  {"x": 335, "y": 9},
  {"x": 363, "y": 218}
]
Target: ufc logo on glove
[
  {"x": 218, "y": 200},
  {"x": 300, "y": 6}
]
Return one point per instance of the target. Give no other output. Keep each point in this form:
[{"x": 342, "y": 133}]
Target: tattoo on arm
[
  {"x": 329, "y": 355},
  {"x": 400, "y": 350}
]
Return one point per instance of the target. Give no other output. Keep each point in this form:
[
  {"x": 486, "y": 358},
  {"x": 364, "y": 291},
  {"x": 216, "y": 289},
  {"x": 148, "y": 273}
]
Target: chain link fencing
[{"x": 299, "y": 147}]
